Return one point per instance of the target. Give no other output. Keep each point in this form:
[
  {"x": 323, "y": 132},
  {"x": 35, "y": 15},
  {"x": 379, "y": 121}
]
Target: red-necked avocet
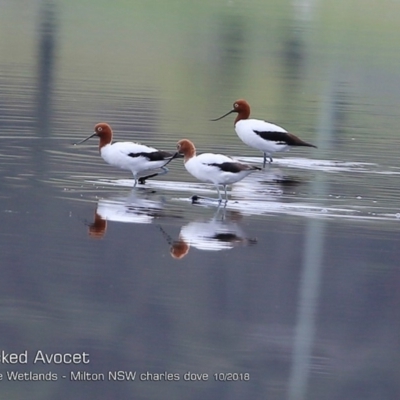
[
  {"x": 213, "y": 168},
  {"x": 131, "y": 156},
  {"x": 262, "y": 135}
]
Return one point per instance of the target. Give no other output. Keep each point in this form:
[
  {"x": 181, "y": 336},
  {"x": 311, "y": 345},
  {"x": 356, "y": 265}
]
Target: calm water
[{"x": 295, "y": 283}]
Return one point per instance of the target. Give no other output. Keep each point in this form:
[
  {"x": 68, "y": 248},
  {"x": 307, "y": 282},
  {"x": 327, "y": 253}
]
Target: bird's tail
[
  {"x": 293, "y": 140},
  {"x": 300, "y": 142},
  {"x": 307, "y": 145}
]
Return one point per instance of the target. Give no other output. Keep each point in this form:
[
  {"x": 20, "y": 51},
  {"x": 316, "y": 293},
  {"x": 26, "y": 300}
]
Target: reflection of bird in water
[
  {"x": 261, "y": 135},
  {"x": 287, "y": 182},
  {"x": 272, "y": 184},
  {"x": 212, "y": 235},
  {"x": 131, "y": 156},
  {"x": 97, "y": 229},
  {"x": 131, "y": 209}
]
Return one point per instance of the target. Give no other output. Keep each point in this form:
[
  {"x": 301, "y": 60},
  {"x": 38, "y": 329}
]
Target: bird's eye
[
  {"x": 99, "y": 128},
  {"x": 236, "y": 105}
]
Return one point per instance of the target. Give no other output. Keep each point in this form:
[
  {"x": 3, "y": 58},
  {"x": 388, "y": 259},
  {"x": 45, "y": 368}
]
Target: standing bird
[
  {"x": 262, "y": 135},
  {"x": 134, "y": 157},
  {"x": 213, "y": 168}
]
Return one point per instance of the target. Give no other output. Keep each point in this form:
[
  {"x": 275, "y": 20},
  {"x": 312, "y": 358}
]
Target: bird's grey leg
[
  {"x": 265, "y": 159},
  {"x": 219, "y": 194},
  {"x": 143, "y": 179},
  {"x": 226, "y": 195}
]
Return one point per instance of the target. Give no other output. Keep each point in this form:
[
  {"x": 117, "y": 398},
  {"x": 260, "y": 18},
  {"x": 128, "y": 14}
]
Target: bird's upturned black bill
[
  {"x": 217, "y": 119},
  {"x": 84, "y": 140}
]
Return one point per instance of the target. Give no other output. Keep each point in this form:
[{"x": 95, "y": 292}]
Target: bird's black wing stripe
[
  {"x": 278, "y": 137},
  {"x": 153, "y": 156},
  {"x": 229, "y": 167}
]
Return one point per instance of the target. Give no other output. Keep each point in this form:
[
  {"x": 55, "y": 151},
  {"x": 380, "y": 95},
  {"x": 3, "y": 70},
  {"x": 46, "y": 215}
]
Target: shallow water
[{"x": 294, "y": 282}]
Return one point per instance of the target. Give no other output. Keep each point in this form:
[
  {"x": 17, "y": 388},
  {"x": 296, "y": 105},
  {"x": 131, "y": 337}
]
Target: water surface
[{"x": 294, "y": 282}]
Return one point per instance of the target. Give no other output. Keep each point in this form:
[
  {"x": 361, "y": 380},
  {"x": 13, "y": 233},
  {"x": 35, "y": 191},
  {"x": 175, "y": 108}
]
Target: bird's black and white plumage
[
  {"x": 262, "y": 135},
  {"x": 217, "y": 169},
  {"x": 131, "y": 156}
]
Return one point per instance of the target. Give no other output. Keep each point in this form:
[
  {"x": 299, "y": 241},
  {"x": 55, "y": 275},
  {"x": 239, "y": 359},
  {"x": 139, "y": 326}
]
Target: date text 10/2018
[{"x": 231, "y": 376}]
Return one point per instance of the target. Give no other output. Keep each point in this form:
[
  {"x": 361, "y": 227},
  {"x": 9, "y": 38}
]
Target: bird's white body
[
  {"x": 246, "y": 130},
  {"x": 262, "y": 135},
  {"x": 202, "y": 168},
  {"x": 213, "y": 168},
  {"x": 131, "y": 156}
]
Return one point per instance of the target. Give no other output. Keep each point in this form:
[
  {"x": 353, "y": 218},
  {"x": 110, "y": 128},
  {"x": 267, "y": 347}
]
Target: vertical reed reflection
[
  {"x": 46, "y": 67},
  {"x": 310, "y": 281},
  {"x": 46, "y": 60},
  {"x": 312, "y": 266},
  {"x": 231, "y": 41}
]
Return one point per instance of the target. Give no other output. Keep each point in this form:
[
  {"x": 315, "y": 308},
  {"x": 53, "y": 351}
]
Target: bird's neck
[
  {"x": 242, "y": 115},
  {"x": 189, "y": 155},
  {"x": 104, "y": 141}
]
